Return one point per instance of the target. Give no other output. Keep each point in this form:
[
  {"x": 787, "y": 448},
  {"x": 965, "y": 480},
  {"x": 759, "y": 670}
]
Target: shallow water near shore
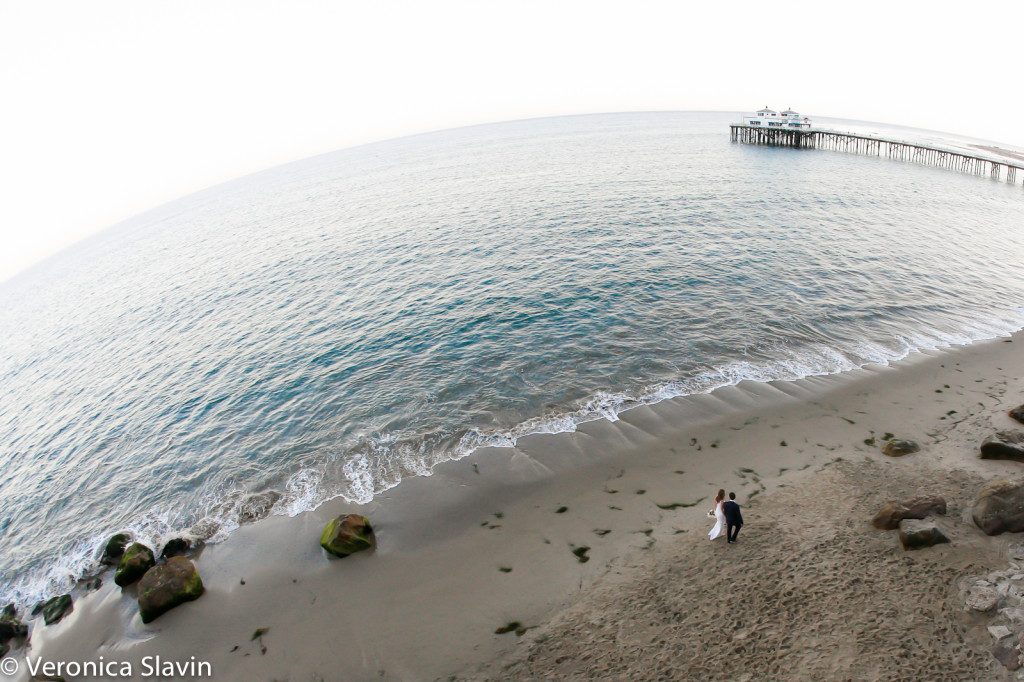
[{"x": 328, "y": 328}]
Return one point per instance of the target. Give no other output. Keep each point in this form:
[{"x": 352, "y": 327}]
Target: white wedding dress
[{"x": 719, "y": 528}]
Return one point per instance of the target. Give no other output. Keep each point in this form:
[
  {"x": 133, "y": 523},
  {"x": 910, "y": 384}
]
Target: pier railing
[{"x": 822, "y": 138}]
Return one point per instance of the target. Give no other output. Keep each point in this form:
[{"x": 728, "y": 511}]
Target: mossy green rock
[
  {"x": 136, "y": 561},
  {"x": 347, "y": 534},
  {"x": 11, "y": 627},
  {"x": 57, "y": 608},
  {"x": 170, "y": 584},
  {"x": 114, "y": 550}
]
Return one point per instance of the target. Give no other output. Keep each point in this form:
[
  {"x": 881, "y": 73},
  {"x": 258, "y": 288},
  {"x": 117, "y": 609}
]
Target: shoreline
[
  {"x": 238, "y": 507},
  {"x": 426, "y": 602}
]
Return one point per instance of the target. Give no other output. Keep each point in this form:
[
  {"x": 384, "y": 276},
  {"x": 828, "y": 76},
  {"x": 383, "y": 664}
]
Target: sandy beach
[{"x": 591, "y": 550}]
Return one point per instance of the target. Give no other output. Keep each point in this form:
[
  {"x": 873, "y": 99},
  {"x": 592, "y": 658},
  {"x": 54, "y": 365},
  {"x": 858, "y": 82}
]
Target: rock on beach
[
  {"x": 11, "y": 627},
  {"x": 890, "y": 515},
  {"x": 167, "y": 585},
  {"x": 898, "y": 448},
  {"x": 999, "y": 506},
  {"x": 1004, "y": 445},
  {"x": 915, "y": 534},
  {"x": 114, "y": 549},
  {"x": 136, "y": 561},
  {"x": 347, "y": 534},
  {"x": 58, "y": 607}
]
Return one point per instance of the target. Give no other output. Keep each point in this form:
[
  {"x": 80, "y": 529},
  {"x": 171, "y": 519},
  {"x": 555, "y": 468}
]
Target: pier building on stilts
[{"x": 790, "y": 129}]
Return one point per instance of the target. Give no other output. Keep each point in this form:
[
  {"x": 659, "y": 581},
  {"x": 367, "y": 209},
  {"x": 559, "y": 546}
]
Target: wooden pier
[{"x": 809, "y": 138}]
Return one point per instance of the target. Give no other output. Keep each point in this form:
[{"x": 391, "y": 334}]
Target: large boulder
[
  {"x": 347, "y": 534},
  {"x": 890, "y": 515},
  {"x": 1004, "y": 445},
  {"x": 114, "y": 549},
  {"x": 1017, "y": 413},
  {"x": 136, "y": 561},
  {"x": 173, "y": 582},
  {"x": 57, "y": 608},
  {"x": 920, "y": 534},
  {"x": 898, "y": 448},
  {"x": 999, "y": 506}
]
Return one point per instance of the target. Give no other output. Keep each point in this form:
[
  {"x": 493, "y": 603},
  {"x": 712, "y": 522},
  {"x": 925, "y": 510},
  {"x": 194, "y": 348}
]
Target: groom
[{"x": 733, "y": 518}]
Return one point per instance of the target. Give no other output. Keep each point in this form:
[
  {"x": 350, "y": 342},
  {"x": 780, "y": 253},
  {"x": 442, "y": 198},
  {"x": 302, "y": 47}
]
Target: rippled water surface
[{"x": 332, "y": 326}]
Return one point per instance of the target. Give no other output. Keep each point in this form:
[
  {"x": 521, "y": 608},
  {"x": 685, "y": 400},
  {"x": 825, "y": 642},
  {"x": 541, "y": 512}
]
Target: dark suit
[{"x": 733, "y": 519}]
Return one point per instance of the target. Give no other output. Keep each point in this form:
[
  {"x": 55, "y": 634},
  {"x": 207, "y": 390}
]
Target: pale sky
[{"x": 109, "y": 108}]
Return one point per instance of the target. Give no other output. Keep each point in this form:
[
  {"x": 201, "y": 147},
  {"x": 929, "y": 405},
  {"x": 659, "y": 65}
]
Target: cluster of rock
[
  {"x": 1000, "y": 594},
  {"x": 999, "y": 508},
  {"x": 908, "y": 515},
  {"x": 172, "y": 579},
  {"x": 999, "y": 505},
  {"x": 162, "y": 586},
  {"x": 13, "y": 629}
]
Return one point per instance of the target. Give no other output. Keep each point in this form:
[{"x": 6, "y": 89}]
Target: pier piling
[{"x": 873, "y": 146}]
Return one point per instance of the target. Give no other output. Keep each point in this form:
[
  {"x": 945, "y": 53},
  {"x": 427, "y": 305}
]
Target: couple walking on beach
[{"x": 727, "y": 517}]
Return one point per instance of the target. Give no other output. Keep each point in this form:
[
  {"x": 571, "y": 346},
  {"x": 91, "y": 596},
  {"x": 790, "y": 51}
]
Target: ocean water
[{"x": 330, "y": 327}]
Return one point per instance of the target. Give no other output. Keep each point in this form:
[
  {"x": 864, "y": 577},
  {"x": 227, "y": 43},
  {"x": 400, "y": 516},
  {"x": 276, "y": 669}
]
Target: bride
[{"x": 719, "y": 528}]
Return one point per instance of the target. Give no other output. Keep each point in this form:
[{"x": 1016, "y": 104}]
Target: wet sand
[{"x": 811, "y": 591}]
